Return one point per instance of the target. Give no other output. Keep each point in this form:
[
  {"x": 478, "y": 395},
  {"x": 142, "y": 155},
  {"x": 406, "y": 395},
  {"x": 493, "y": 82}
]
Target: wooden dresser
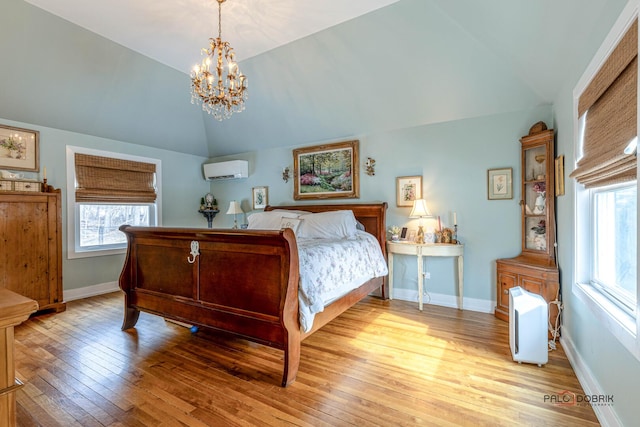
[{"x": 31, "y": 250}]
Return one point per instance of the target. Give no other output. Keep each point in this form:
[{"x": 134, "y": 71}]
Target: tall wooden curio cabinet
[{"x": 535, "y": 269}]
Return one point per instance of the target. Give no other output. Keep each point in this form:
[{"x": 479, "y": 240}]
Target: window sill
[
  {"x": 96, "y": 253},
  {"x": 617, "y": 321}
]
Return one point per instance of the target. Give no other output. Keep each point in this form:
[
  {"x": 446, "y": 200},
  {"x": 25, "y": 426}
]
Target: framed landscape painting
[{"x": 327, "y": 171}]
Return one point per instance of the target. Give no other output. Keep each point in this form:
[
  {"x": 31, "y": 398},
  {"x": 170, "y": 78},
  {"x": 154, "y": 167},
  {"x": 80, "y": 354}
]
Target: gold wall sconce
[{"x": 370, "y": 165}]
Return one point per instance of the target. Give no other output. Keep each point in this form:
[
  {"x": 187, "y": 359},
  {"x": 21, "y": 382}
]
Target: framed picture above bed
[
  {"x": 328, "y": 171},
  {"x": 260, "y": 197},
  {"x": 408, "y": 189}
]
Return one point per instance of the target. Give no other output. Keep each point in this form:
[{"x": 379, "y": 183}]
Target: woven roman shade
[
  {"x": 610, "y": 104},
  {"x": 105, "y": 179}
]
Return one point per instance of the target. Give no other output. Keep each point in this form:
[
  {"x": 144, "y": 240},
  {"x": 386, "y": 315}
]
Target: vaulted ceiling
[{"x": 318, "y": 70}]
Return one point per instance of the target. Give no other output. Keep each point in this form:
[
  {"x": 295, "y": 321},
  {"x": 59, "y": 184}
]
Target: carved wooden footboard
[{"x": 240, "y": 281}]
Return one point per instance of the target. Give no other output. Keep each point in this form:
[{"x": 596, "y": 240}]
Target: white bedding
[{"x": 330, "y": 268}]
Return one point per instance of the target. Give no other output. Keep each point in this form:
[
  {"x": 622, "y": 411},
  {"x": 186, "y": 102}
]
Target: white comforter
[{"x": 330, "y": 268}]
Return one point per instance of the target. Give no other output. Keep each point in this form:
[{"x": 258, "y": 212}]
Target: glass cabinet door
[
  {"x": 538, "y": 194},
  {"x": 535, "y": 194}
]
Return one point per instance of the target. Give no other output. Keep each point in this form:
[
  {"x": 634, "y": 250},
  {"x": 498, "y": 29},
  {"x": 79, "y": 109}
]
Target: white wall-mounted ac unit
[
  {"x": 528, "y": 318},
  {"x": 226, "y": 170}
]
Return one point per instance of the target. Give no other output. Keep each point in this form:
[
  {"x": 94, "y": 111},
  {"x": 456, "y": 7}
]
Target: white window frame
[
  {"x": 619, "y": 322},
  {"x": 73, "y": 235}
]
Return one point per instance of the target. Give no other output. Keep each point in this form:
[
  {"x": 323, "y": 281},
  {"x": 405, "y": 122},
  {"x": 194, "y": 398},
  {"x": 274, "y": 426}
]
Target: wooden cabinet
[
  {"x": 31, "y": 250},
  {"x": 535, "y": 269},
  {"x": 532, "y": 274}
]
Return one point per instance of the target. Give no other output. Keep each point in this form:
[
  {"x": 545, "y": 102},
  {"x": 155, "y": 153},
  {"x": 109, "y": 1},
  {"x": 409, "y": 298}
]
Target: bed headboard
[{"x": 371, "y": 215}]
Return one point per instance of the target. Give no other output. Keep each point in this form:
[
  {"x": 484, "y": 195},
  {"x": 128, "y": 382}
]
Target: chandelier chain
[{"x": 220, "y": 19}]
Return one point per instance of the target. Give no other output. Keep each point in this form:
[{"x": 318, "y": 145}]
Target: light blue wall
[
  {"x": 453, "y": 159},
  {"x": 60, "y": 75},
  {"x": 183, "y": 186},
  {"x": 404, "y": 65}
]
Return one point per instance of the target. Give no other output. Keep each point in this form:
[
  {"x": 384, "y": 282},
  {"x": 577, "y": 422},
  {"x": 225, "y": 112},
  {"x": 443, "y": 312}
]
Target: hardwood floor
[{"x": 380, "y": 363}]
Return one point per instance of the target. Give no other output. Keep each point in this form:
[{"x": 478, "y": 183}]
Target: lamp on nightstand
[
  {"x": 420, "y": 210},
  {"x": 235, "y": 209}
]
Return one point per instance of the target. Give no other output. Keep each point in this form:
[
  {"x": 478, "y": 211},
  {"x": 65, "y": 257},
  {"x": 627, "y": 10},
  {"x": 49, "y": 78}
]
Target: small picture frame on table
[{"x": 403, "y": 233}]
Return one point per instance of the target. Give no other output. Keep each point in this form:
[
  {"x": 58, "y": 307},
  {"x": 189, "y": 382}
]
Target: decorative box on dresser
[
  {"x": 535, "y": 269},
  {"x": 31, "y": 250}
]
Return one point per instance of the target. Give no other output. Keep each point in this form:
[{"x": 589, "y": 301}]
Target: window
[
  {"x": 606, "y": 184},
  {"x": 98, "y": 224},
  {"x": 614, "y": 237},
  {"x": 107, "y": 190}
]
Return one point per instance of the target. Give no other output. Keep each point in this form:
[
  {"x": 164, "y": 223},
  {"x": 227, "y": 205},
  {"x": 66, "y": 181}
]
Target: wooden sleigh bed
[{"x": 243, "y": 282}]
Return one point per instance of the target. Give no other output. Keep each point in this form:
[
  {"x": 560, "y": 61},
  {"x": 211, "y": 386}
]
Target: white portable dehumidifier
[{"x": 528, "y": 313}]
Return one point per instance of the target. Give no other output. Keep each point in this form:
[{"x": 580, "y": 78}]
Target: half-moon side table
[{"x": 420, "y": 251}]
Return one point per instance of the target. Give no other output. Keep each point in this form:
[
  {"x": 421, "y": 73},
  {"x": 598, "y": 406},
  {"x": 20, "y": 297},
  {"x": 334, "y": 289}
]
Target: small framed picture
[
  {"x": 408, "y": 189},
  {"x": 500, "y": 184},
  {"x": 19, "y": 148},
  {"x": 403, "y": 233},
  {"x": 411, "y": 236},
  {"x": 559, "y": 166},
  {"x": 260, "y": 197}
]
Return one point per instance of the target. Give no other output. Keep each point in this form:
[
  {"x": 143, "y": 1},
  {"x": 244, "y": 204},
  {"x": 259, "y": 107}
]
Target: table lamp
[
  {"x": 235, "y": 209},
  {"x": 420, "y": 210}
]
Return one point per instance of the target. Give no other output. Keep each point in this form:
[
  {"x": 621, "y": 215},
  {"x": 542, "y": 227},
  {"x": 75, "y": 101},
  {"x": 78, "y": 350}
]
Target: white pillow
[
  {"x": 292, "y": 223},
  {"x": 268, "y": 220},
  {"x": 328, "y": 225}
]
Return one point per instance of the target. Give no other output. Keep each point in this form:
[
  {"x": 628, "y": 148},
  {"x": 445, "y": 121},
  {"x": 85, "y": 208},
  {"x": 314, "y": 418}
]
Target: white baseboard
[
  {"x": 90, "y": 291},
  {"x": 472, "y": 304},
  {"x": 606, "y": 415}
]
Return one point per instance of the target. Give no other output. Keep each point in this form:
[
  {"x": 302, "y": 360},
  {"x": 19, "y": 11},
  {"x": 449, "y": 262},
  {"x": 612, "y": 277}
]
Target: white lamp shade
[
  {"x": 420, "y": 209},
  {"x": 234, "y": 208}
]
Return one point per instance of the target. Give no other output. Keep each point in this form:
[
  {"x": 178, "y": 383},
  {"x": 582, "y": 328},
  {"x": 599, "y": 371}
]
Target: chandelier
[{"x": 220, "y": 95}]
